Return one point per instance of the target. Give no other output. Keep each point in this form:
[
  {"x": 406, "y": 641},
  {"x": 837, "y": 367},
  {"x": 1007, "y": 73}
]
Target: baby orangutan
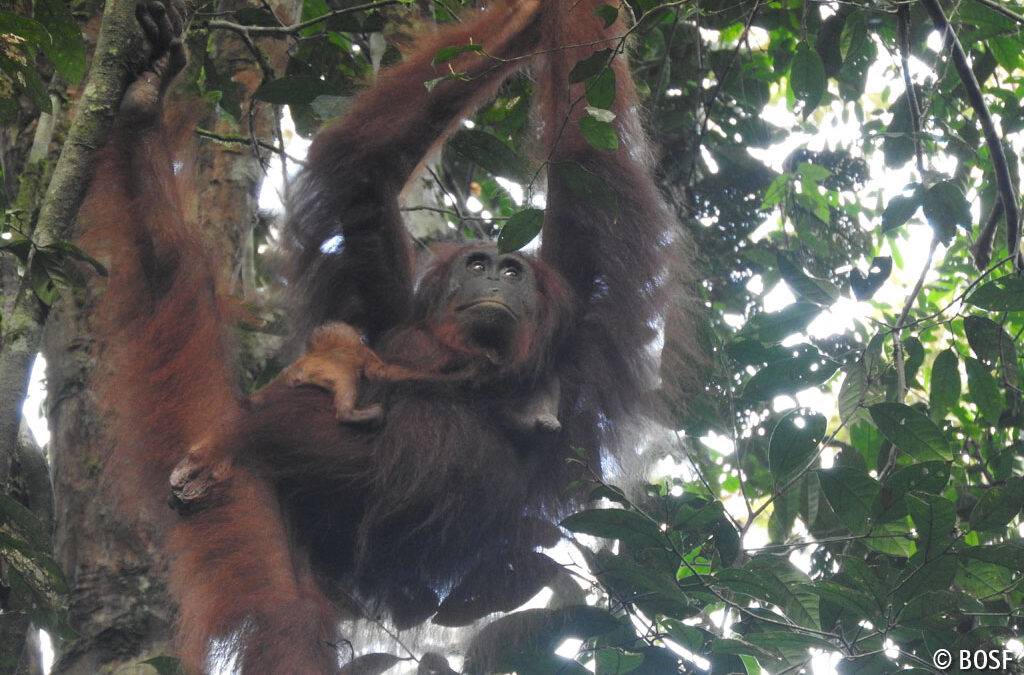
[{"x": 336, "y": 359}]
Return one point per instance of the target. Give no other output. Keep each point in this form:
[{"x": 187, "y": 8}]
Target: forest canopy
[{"x": 844, "y": 494}]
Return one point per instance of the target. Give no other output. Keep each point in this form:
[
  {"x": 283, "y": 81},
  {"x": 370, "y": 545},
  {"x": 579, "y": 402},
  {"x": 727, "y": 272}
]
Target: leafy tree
[{"x": 848, "y": 488}]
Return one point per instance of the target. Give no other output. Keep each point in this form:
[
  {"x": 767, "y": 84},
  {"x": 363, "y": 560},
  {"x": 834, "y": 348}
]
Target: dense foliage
[{"x": 848, "y": 489}]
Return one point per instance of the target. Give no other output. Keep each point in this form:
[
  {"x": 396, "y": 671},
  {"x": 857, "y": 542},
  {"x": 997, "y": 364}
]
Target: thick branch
[
  {"x": 903, "y": 30},
  {"x": 992, "y": 140}
]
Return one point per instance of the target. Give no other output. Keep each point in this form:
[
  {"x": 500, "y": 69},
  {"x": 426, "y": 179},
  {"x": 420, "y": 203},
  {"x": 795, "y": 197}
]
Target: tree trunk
[{"x": 114, "y": 561}]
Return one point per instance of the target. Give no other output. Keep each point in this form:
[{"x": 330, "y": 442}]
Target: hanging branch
[
  {"x": 903, "y": 31},
  {"x": 1005, "y": 11},
  {"x": 992, "y": 140}
]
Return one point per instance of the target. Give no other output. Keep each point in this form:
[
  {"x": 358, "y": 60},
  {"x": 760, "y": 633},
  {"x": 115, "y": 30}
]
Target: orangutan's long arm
[{"x": 352, "y": 255}]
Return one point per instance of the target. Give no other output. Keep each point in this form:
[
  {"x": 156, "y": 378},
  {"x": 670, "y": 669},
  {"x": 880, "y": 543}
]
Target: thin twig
[
  {"x": 295, "y": 28},
  {"x": 960, "y": 296},
  {"x": 897, "y": 345},
  {"x": 998, "y": 7},
  {"x": 278, "y": 112},
  {"x": 992, "y": 140},
  {"x": 242, "y": 140},
  {"x": 663, "y": 73},
  {"x": 453, "y": 214},
  {"x": 703, "y": 131}
]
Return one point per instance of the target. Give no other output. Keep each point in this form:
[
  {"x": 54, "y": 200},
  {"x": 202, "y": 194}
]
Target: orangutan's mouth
[{"x": 488, "y": 304}]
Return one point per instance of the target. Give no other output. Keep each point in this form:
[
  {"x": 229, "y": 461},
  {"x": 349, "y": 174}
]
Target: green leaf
[
  {"x": 910, "y": 431},
  {"x": 927, "y": 609},
  {"x": 612, "y": 661},
  {"x": 28, "y": 525},
  {"x": 862, "y": 604},
  {"x": 891, "y": 538},
  {"x": 488, "y": 152},
  {"x": 945, "y": 386},
  {"x": 998, "y": 506},
  {"x": 858, "y": 391},
  {"x": 794, "y": 441},
  {"x": 914, "y": 357},
  {"x": 776, "y": 192},
  {"x": 65, "y": 47},
  {"x": 601, "y": 90},
  {"x": 22, "y": 26},
  {"x": 1006, "y": 50},
  {"x": 370, "y": 664},
  {"x": 690, "y": 519},
  {"x": 812, "y": 173},
  {"x": 807, "y": 369},
  {"x": 43, "y": 285},
  {"x": 607, "y": 13},
  {"x": 807, "y": 77},
  {"x": 898, "y": 143},
  {"x": 851, "y": 493},
  {"x": 945, "y": 207},
  {"x": 520, "y": 230},
  {"x": 930, "y": 477},
  {"x": 445, "y": 54},
  {"x": 524, "y": 641},
  {"x": 599, "y": 134},
  {"x": 1009, "y": 555},
  {"x": 690, "y": 637},
  {"x": 984, "y": 390},
  {"x": 864, "y": 287},
  {"x": 66, "y": 249},
  {"x": 900, "y": 209},
  {"x": 777, "y": 326},
  {"x": 983, "y": 580},
  {"x": 737, "y": 646},
  {"x": 777, "y": 581},
  {"x": 615, "y": 524},
  {"x": 805, "y": 286},
  {"x": 934, "y": 519},
  {"x": 601, "y": 114},
  {"x": 1005, "y": 294},
  {"x": 590, "y": 66},
  {"x": 653, "y": 588},
  {"x": 856, "y": 573},
  {"x": 925, "y": 574},
  {"x": 788, "y": 646},
  {"x": 292, "y": 90},
  {"x": 859, "y": 53},
  {"x": 989, "y": 341},
  {"x": 165, "y": 665},
  {"x": 609, "y": 492}
]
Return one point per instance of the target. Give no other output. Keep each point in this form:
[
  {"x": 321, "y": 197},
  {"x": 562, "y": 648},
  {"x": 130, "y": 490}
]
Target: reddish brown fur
[{"x": 394, "y": 516}]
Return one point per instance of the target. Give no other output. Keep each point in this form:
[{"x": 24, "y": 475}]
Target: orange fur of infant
[{"x": 335, "y": 360}]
